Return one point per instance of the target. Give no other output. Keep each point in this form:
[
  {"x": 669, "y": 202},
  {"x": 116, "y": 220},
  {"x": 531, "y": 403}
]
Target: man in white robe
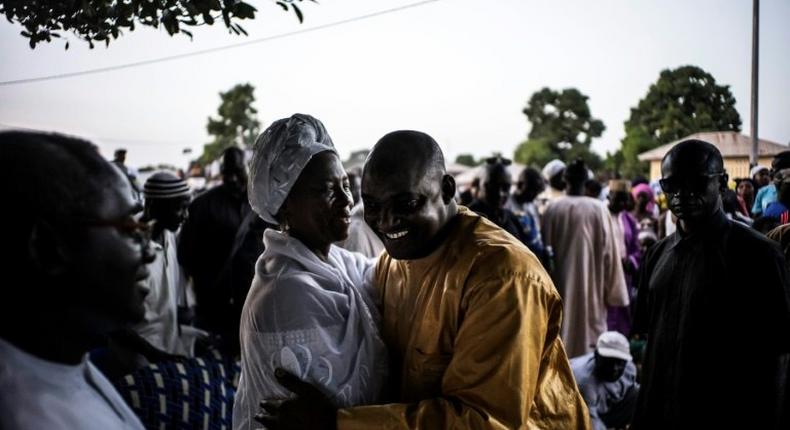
[{"x": 587, "y": 268}]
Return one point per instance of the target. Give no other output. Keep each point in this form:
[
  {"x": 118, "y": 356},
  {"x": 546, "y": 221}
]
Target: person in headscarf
[
  {"x": 645, "y": 207},
  {"x": 309, "y": 310}
]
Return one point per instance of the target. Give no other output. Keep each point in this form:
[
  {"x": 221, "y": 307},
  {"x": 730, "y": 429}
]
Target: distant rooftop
[{"x": 730, "y": 143}]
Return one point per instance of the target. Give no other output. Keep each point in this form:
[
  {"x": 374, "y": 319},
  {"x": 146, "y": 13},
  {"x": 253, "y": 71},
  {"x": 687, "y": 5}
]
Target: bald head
[
  {"x": 495, "y": 183},
  {"x": 694, "y": 156},
  {"x": 693, "y": 178},
  {"x": 407, "y": 195},
  {"x": 406, "y": 150}
]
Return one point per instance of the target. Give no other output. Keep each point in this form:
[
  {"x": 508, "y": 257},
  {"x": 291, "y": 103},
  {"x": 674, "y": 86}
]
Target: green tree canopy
[
  {"x": 683, "y": 101},
  {"x": 236, "y": 122},
  {"x": 467, "y": 160},
  {"x": 102, "y": 20},
  {"x": 562, "y": 127}
]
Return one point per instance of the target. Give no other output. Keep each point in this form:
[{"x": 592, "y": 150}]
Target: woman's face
[
  {"x": 745, "y": 189},
  {"x": 318, "y": 208},
  {"x": 642, "y": 200}
]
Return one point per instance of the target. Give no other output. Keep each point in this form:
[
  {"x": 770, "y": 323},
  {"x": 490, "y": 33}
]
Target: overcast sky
[{"x": 461, "y": 70}]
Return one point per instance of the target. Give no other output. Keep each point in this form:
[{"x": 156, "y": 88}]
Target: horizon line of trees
[{"x": 682, "y": 101}]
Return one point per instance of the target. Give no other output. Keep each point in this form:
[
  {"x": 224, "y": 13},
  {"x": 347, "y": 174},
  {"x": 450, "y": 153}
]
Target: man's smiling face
[{"x": 407, "y": 198}]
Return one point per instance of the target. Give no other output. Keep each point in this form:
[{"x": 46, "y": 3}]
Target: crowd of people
[{"x": 296, "y": 295}]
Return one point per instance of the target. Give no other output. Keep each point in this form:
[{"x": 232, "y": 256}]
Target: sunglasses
[{"x": 694, "y": 184}]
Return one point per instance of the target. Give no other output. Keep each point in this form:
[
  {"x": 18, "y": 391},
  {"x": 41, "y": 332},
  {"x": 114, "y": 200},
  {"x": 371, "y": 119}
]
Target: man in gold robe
[{"x": 470, "y": 317}]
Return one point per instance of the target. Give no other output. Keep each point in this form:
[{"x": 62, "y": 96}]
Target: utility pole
[{"x": 755, "y": 68}]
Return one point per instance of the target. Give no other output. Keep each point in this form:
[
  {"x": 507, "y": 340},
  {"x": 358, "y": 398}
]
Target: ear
[
  {"x": 448, "y": 188},
  {"x": 47, "y": 250}
]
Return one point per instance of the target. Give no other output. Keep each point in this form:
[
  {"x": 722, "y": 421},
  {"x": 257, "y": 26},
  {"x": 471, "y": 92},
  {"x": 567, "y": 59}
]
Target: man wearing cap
[
  {"x": 761, "y": 175},
  {"x": 716, "y": 334},
  {"x": 166, "y": 199},
  {"x": 553, "y": 172},
  {"x": 607, "y": 381}
]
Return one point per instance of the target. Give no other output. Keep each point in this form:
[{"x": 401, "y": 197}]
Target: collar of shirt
[{"x": 714, "y": 228}]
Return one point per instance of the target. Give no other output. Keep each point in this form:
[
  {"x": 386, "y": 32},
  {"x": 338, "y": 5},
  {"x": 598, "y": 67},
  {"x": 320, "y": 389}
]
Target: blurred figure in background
[
  {"x": 522, "y": 203},
  {"x": 745, "y": 189},
  {"x": 589, "y": 271},
  {"x": 627, "y": 231},
  {"x": 119, "y": 160},
  {"x": 206, "y": 248},
  {"x": 554, "y": 174},
  {"x": 766, "y": 189},
  {"x": 593, "y": 188},
  {"x": 778, "y": 210},
  {"x": 166, "y": 200},
  {"x": 493, "y": 194},
  {"x": 361, "y": 237},
  {"x": 645, "y": 210}
]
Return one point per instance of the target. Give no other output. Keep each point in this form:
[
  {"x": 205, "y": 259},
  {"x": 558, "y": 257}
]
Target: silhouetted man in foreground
[
  {"x": 470, "y": 317},
  {"x": 713, "y": 301},
  {"x": 73, "y": 258}
]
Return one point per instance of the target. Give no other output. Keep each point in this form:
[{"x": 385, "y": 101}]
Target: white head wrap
[
  {"x": 280, "y": 154},
  {"x": 552, "y": 168}
]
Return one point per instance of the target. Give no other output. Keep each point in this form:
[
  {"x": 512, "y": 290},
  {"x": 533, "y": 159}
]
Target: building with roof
[{"x": 734, "y": 147}]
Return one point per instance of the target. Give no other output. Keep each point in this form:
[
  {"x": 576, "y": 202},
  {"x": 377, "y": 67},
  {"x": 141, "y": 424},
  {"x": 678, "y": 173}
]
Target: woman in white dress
[{"x": 310, "y": 309}]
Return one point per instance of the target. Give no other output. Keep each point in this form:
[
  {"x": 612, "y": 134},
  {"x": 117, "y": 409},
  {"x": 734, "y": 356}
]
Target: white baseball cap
[
  {"x": 613, "y": 344},
  {"x": 757, "y": 169}
]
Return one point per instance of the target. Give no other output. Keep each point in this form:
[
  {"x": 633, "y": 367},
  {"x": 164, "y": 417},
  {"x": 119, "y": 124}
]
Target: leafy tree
[
  {"x": 467, "y": 160},
  {"x": 236, "y": 122},
  {"x": 562, "y": 127},
  {"x": 102, "y": 20},
  {"x": 683, "y": 101}
]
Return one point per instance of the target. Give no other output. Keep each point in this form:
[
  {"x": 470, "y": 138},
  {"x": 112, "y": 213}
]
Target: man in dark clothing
[
  {"x": 714, "y": 302},
  {"x": 119, "y": 160},
  {"x": 495, "y": 183},
  {"x": 206, "y": 244}
]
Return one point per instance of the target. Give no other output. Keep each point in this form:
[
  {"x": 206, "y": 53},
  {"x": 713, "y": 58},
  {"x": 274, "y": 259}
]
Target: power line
[
  {"x": 125, "y": 141},
  {"x": 217, "y": 49}
]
